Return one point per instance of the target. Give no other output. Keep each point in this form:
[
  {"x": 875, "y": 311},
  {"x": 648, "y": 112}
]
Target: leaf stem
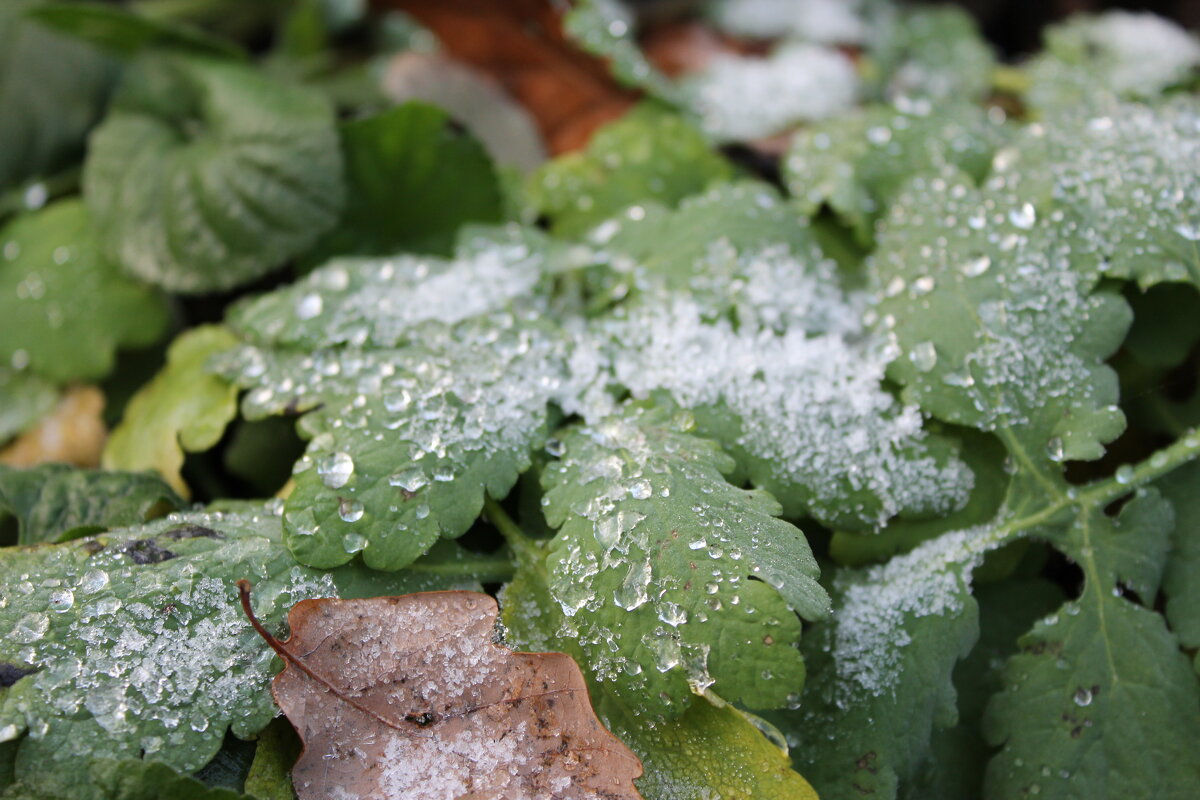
[{"x": 525, "y": 548}]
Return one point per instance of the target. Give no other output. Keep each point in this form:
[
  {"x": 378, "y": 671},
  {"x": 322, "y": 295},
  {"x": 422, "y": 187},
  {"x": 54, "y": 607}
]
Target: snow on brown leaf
[{"x": 410, "y": 697}]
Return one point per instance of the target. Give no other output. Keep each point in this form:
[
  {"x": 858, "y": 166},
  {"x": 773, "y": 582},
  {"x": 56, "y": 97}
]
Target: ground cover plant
[{"x": 823, "y": 385}]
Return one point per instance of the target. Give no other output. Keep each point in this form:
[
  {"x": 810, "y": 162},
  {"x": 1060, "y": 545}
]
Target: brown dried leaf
[
  {"x": 520, "y": 44},
  {"x": 410, "y": 697},
  {"x": 72, "y": 433}
]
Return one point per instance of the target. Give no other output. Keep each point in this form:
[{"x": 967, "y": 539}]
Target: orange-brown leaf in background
[
  {"x": 409, "y": 698},
  {"x": 520, "y": 44}
]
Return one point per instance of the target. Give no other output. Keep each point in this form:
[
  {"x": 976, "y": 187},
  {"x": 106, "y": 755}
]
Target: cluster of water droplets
[{"x": 158, "y": 655}]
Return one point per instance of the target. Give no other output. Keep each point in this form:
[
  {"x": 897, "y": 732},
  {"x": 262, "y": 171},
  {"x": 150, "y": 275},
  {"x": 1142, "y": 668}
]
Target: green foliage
[
  {"x": 55, "y": 502},
  {"x": 127, "y": 779},
  {"x": 1181, "y": 578},
  {"x": 184, "y": 408},
  {"x": 1087, "y": 58},
  {"x": 677, "y": 754},
  {"x": 660, "y": 562},
  {"x": 52, "y": 90},
  {"x": 935, "y": 53},
  {"x": 647, "y": 155},
  {"x": 423, "y": 392},
  {"x": 207, "y": 174},
  {"x": 412, "y": 181},
  {"x": 65, "y": 309},
  {"x": 127, "y": 33},
  {"x": 133, "y": 641}
]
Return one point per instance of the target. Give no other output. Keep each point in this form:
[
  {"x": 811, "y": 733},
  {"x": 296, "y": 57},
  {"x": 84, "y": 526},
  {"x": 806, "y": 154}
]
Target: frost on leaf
[
  {"x": 1121, "y": 182},
  {"x": 1136, "y": 55},
  {"x": 411, "y": 697},
  {"x": 672, "y": 579},
  {"x": 739, "y": 98},
  {"x": 995, "y": 319},
  {"x": 424, "y": 387},
  {"x": 131, "y": 642},
  {"x": 882, "y": 669},
  {"x": 747, "y": 326}
]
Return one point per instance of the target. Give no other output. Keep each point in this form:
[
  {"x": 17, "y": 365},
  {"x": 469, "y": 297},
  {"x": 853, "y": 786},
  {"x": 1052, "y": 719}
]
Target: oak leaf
[{"x": 410, "y": 697}]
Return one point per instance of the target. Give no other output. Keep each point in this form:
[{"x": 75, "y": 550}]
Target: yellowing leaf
[
  {"x": 183, "y": 408},
  {"x": 73, "y": 433}
]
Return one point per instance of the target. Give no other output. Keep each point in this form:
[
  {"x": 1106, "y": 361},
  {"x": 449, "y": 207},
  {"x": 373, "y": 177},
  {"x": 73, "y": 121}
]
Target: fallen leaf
[
  {"x": 410, "y": 697},
  {"x": 72, "y": 433},
  {"x": 520, "y": 44}
]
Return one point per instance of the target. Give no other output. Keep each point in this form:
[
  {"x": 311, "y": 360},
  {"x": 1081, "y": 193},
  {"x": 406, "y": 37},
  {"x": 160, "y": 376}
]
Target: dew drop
[
  {"x": 335, "y": 470},
  {"x": 976, "y": 266},
  {"x": 410, "y": 480},
  {"x": 640, "y": 490},
  {"x": 1124, "y": 474},
  {"x": 1054, "y": 449},
  {"x": 93, "y": 581},
  {"x": 309, "y": 306},
  {"x": 1023, "y": 217},
  {"x": 632, "y": 592},
  {"x": 30, "y": 628},
  {"x": 354, "y": 543},
  {"x": 923, "y": 356},
  {"x": 349, "y": 510},
  {"x": 61, "y": 600}
]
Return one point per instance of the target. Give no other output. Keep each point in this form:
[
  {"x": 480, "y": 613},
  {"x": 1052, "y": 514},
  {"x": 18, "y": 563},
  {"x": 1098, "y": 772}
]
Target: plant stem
[{"x": 525, "y": 548}]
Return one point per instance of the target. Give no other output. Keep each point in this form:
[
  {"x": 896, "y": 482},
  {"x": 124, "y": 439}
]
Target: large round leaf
[{"x": 208, "y": 174}]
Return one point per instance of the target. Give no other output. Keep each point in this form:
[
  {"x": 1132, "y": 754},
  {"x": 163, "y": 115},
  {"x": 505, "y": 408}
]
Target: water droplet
[
  {"x": 335, "y": 470},
  {"x": 1054, "y": 449},
  {"x": 309, "y": 306},
  {"x": 640, "y": 490},
  {"x": 1023, "y": 217},
  {"x": 923, "y": 285},
  {"x": 61, "y": 600},
  {"x": 30, "y": 628},
  {"x": 976, "y": 266},
  {"x": 895, "y": 286},
  {"x": 698, "y": 544},
  {"x": 1124, "y": 474},
  {"x": 555, "y": 448},
  {"x": 672, "y": 614},
  {"x": 632, "y": 591},
  {"x": 61, "y": 255},
  {"x": 93, "y": 581},
  {"x": 349, "y": 510},
  {"x": 923, "y": 356},
  {"x": 410, "y": 480},
  {"x": 35, "y": 196},
  {"x": 354, "y": 543},
  {"x": 1189, "y": 232},
  {"x": 421, "y": 511}
]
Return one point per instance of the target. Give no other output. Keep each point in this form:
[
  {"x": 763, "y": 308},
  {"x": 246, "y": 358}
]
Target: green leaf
[
  {"x": 270, "y": 775},
  {"x": 997, "y": 326},
  {"x": 672, "y": 579},
  {"x": 412, "y": 181},
  {"x": 1181, "y": 580},
  {"x": 134, "y": 642},
  {"x": 935, "y": 53},
  {"x": 733, "y": 277},
  {"x": 24, "y": 399},
  {"x": 65, "y": 308},
  {"x": 605, "y": 28},
  {"x": 857, "y": 163},
  {"x": 127, "y": 33},
  {"x": 1131, "y": 55},
  {"x": 55, "y": 502},
  {"x": 52, "y": 91},
  {"x": 710, "y": 748},
  {"x": 1099, "y": 703},
  {"x": 647, "y": 155},
  {"x": 423, "y": 389},
  {"x": 1120, "y": 182},
  {"x": 207, "y": 175},
  {"x": 184, "y": 408},
  {"x": 881, "y": 670},
  {"x": 958, "y": 755},
  {"x": 110, "y": 779}
]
